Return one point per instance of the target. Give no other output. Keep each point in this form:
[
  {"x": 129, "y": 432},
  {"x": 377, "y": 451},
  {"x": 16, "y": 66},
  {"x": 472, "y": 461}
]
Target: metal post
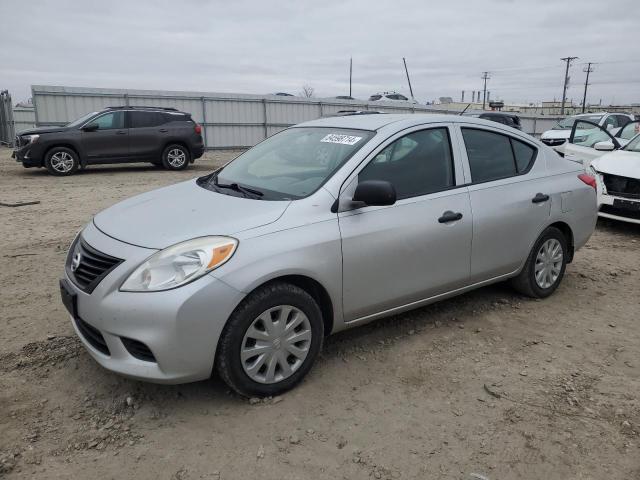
[
  {"x": 204, "y": 121},
  {"x": 350, "y": 73},
  {"x": 408, "y": 79},
  {"x": 126, "y": 99},
  {"x": 264, "y": 113},
  {"x": 566, "y": 81}
]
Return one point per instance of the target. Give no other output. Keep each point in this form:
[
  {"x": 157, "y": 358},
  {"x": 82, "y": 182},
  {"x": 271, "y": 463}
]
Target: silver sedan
[{"x": 324, "y": 226}]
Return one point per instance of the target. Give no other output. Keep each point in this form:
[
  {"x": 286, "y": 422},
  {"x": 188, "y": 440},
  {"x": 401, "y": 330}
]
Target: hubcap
[
  {"x": 276, "y": 344},
  {"x": 548, "y": 263},
  {"x": 176, "y": 157},
  {"x": 61, "y": 162}
]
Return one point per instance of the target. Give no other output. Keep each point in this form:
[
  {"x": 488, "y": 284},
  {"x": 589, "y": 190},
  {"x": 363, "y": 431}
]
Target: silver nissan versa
[{"x": 324, "y": 226}]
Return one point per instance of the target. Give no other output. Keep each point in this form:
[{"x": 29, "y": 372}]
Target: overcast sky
[{"x": 257, "y": 46}]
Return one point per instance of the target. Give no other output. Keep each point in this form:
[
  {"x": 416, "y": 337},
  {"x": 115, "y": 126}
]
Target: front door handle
[
  {"x": 163, "y": 130},
  {"x": 539, "y": 198},
  {"x": 450, "y": 216},
  {"x": 121, "y": 132}
]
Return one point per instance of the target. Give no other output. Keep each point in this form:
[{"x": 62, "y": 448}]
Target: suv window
[
  {"x": 623, "y": 120},
  {"x": 416, "y": 164},
  {"x": 146, "y": 119},
  {"x": 110, "y": 121},
  {"x": 493, "y": 156},
  {"x": 375, "y": 97}
]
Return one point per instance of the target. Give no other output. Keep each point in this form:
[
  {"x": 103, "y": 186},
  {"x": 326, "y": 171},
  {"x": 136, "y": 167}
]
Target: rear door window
[
  {"x": 493, "y": 156},
  {"x": 146, "y": 119}
]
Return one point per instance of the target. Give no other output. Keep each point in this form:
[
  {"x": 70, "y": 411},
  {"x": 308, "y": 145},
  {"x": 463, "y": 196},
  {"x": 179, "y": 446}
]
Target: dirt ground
[{"x": 488, "y": 385}]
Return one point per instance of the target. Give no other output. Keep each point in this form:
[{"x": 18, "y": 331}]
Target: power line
[
  {"x": 485, "y": 77},
  {"x": 566, "y": 81},
  {"x": 587, "y": 69}
]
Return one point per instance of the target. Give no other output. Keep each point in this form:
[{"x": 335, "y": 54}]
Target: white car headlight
[
  {"x": 31, "y": 138},
  {"x": 180, "y": 264}
]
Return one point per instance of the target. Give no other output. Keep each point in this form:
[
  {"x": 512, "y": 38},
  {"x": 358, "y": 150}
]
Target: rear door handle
[
  {"x": 450, "y": 216},
  {"x": 539, "y": 198},
  {"x": 121, "y": 132},
  {"x": 163, "y": 130}
]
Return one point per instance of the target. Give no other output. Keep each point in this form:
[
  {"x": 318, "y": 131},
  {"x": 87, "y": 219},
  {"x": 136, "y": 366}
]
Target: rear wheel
[
  {"x": 271, "y": 341},
  {"x": 175, "y": 157},
  {"x": 545, "y": 265},
  {"x": 61, "y": 161}
]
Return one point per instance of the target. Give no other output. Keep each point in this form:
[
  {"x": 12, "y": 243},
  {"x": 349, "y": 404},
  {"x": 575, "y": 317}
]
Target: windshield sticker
[{"x": 342, "y": 139}]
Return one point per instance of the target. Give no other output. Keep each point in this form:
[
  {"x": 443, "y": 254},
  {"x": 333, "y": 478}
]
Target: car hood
[
  {"x": 621, "y": 163},
  {"x": 554, "y": 134},
  {"x": 180, "y": 212},
  {"x": 40, "y": 130}
]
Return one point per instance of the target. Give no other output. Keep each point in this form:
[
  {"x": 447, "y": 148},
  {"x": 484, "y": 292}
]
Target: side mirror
[
  {"x": 90, "y": 127},
  {"x": 375, "y": 193},
  {"x": 605, "y": 146}
]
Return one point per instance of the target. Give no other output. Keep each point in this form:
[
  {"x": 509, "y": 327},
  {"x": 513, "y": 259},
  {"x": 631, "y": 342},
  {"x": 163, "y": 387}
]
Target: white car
[
  {"x": 588, "y": 141},
  {"x": 618, "y": 182},
  {"x": 557, "y": 137},
  {"x": 390, "y": 97}
]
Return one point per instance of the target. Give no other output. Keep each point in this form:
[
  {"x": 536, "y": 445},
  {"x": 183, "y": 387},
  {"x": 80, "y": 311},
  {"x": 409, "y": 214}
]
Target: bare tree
[{"x": 307, "y": 91}]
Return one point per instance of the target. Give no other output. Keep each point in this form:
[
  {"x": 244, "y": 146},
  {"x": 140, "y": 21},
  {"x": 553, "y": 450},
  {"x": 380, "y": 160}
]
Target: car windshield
[
  {"x": 81, "y": 120},
  {"x": 567, "y": 123},
  {"x": 289, "y": 165},
  {"x": 633, "y": 145}
]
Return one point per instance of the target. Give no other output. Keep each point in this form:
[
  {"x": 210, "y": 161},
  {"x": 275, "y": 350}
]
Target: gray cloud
[{"x": 255, "y": 46}]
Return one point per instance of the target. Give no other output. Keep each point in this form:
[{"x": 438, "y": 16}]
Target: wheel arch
[
  {"x": 182, "y": 143},
  {"x": 68, "y": 145},
  {"x": 568, "y": 235}
]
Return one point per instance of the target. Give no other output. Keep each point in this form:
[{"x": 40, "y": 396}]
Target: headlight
[
  {"x": 30, "y": 138},
  {"x": 180, "y": 264}
]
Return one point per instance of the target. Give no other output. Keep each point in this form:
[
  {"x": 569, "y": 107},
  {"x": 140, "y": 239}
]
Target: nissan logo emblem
[{"x": 75, "y": 261}]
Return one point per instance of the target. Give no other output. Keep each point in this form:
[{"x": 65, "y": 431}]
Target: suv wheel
[
  {"x": 545, "y": 265},
  {"x": 175, "y": 157},
  {"x": 61, "y": 161},
  {"x": 270, "y": 341}
]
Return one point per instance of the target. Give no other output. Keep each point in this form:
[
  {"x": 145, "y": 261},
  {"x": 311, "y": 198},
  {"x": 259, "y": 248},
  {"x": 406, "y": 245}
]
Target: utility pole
[
  {"x": 587, "y": 69},
  {"x": 566, "y": 81},
  {"x": 408, "y": 79},
  {"x": 485, "y": 77},
  {"x": 350, "y": 73}
]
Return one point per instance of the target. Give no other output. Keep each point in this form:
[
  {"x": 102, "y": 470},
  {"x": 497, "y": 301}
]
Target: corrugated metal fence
[
  {"x": 228, "y": 120},
  {"x": 13, "y": 119}
]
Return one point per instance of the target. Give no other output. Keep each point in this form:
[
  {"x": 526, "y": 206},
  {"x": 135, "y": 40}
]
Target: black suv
[{"x": 162, "y": 136}]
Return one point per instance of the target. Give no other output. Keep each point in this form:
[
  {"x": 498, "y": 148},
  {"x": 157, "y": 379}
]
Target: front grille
[
  {"x": 138, "y": 349},
  {"x": 92, "y": 335},
  {"x": 621, "y": 186},
  {"x": 86, "y": 266},
  {"x": 552, "y": 142},
  {"x": 621, "y": 212}
]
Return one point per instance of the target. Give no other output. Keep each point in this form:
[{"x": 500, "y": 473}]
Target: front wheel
[
  {"x": 271, "y": 341},
  {"x": 175, "y": 157},
  {"x": 61, "y": 161},
  {"x": 545, "y": 265}
]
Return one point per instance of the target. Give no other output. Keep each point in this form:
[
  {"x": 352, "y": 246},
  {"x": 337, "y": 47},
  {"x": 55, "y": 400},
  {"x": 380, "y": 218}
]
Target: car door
[
  {"x": 509, "y": 198},
  {"x": 417, "y": 248},
  {"x": 583, "y": 139},
  {"x": 626, "y": 133},
  {"x": 105, "y": 138},
  {"x": 146, "y": 134}
]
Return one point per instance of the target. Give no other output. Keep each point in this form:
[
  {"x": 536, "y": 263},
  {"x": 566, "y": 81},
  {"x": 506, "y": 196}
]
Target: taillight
[
  {"x": 198, "y": 129},
  {"x": 588, "y": 179}
]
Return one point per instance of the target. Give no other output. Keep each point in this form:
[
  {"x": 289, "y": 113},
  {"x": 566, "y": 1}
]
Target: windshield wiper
[{"x": 237, "y": 188}]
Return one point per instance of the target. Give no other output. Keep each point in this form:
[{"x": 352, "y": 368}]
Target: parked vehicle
[
  {"x": 557, "y": 137},
  {"x": 506, "y": 118},
  {"x": 324, "y": 226},
  {"x": 344, "y": 97},
  {"x": 588, "y": 141},
  {"x": 390, "y": 97},
  {"x": 162, "y": 136}
]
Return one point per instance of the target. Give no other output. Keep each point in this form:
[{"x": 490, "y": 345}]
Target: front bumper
[
  {"x": 181, "y": 327},
  {"x": 619, "y": 208},
  {"x": 27, "y": 155}
]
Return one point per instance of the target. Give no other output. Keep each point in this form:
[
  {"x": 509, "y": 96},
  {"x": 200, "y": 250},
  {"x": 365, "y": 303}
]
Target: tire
[
  {"x": 526, "y": 282},
  {"x": 61, "y": 161},
  {"x": 234, "y": 358},
  {"x": 176, "y": 157}
]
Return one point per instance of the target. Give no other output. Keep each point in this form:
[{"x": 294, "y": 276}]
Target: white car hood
[
  {"x": 554, "y": 134},
  {"x": 183, "y": 211},
  {"x": 621, "y": 163}
]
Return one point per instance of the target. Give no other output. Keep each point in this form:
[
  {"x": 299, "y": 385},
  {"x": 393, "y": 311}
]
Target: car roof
[{"x": 376, "y": 122}]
